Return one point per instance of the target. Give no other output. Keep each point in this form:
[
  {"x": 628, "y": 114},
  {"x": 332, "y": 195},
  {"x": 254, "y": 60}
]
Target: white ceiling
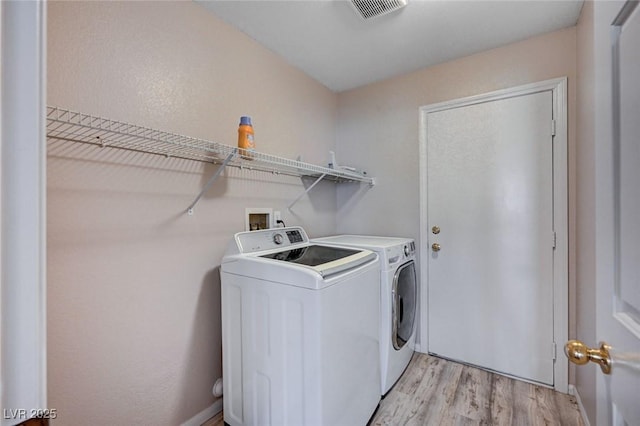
[{"x": 334, "y": 45}]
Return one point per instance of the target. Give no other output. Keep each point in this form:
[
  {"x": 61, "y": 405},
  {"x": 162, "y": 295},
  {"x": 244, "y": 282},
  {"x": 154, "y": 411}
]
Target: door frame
[
  {"x": 23, "y": 174},
  {"x": 558, "y": 87}
]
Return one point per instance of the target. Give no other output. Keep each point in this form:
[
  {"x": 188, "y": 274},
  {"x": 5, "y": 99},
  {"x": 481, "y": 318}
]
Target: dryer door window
[{"x": 404, "y": 295}]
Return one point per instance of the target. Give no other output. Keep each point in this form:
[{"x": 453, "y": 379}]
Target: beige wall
[
  {"x": 133, "y": 282},
  {"x": 378, "y": 130}
]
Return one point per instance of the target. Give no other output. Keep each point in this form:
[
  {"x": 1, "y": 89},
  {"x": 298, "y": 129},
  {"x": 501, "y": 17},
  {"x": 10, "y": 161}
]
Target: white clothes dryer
[
  {"x": 398, "y": 299},
  {"x": 299, "y": 331}
]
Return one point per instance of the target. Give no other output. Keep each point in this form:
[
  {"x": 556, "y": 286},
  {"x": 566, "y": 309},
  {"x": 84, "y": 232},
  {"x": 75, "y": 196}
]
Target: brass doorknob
[
  {"x": 435, "y": 230},
  {"x": 580, "y": 354},
  {"x": 435, "y": 247}
]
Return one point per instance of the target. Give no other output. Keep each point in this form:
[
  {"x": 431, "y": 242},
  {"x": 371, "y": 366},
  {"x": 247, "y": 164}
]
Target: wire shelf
[{"x": 78, "y": 127}]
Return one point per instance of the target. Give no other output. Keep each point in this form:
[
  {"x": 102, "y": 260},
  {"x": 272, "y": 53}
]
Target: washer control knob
[
  {"x": 278, "y": 238},
  {"x": 407, "y": 251}
]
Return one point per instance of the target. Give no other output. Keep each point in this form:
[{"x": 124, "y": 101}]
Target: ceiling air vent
[{"x": 371, "y": 8}]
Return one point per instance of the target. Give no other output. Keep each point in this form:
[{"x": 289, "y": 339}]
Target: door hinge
[
  {"x": 554, "y": 239},
  {"x": 554, "y": 350},
  {"x": 553, "y": 127}
]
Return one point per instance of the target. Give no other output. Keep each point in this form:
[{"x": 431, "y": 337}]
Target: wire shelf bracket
[
  {"x": 210, "y": 181},
  {"x": 307, "y": 190}
]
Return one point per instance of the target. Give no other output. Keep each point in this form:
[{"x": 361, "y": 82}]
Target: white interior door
[
  {"x": 618, "y": 323},
  {"x": 490, "y": 193}
]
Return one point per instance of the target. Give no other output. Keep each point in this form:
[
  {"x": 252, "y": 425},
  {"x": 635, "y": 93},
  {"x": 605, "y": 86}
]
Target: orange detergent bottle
[{"x": 246, "y": 144}]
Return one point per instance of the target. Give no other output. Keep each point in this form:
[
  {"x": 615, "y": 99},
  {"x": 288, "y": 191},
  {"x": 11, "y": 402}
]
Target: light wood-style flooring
[{"x": 434, "y": 391}]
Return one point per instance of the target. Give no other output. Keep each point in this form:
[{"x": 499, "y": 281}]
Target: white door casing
[
  {"x": 550, "y": 98},
  {"x": 23, "y": 369}
]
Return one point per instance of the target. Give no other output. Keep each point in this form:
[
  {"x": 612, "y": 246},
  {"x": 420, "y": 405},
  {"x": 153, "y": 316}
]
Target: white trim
[
  {"x": 205, "y": 414},
  {"x": 23, "y": 58},
  {"x": 513, "y": 92},
  {"x": 1, "y": 209},
  {"x": 561, "y": 227},
  {"x": 583, "y": 413},
  {"x": 423, "y": 338},
  {"x": 558, "y": 87},
  {"x": 1, "y": 205}
]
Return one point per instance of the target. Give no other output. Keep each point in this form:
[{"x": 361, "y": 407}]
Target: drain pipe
[{"x": 217, "y": 388}]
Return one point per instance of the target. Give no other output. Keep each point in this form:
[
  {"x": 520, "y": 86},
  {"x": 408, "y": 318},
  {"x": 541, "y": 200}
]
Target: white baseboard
[
  {"x": 205, "y": 414},
  {"x": 574, "y": 391}
]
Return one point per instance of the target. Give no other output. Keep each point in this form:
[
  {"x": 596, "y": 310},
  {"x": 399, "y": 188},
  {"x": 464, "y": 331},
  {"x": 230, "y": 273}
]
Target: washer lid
[{"x": 326, "y": 260}]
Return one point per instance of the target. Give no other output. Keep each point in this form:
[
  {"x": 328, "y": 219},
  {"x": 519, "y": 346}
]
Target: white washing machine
[
  {"x": 398, "y": 297},
  {"x": 299, "y": 331}
]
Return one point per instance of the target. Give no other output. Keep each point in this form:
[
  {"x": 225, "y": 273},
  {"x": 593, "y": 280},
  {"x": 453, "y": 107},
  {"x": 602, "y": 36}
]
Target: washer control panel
[
  {"x": 400, "y": 252},
  {"x": 253, "y": 241},
  {"x": 409, "y": 249}
]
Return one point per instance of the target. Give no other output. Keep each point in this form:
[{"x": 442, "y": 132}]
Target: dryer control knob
[
  {"x": 278, "y": 238},
  {"x": 407, "y": 252}
]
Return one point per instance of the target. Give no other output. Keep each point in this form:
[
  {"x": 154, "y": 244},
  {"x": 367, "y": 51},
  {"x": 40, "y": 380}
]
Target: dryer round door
[{"x": 404, "y": 295}]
